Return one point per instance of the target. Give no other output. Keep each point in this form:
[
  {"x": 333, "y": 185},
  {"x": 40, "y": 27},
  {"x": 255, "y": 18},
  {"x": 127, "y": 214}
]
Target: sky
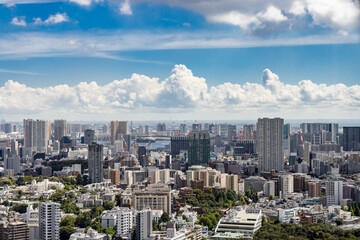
[{"x": 179, "y": 59}]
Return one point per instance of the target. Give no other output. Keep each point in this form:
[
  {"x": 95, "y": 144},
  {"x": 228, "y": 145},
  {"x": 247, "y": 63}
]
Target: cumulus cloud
[
  {"x": 257, "y": 15},
  {"x": 181, "y": 91},
  {"x": 125, "y": 8},
  {"x": 19, "y": 21},
  {"x": 52, "y": 19}
]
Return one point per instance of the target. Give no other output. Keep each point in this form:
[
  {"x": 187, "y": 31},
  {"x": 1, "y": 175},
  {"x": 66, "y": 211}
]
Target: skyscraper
[
  {"x": 270, "y": 144},
  {"x": 118, "y": 130},
  {"x": 89, "y": 136},
  {"x": 248, "y": 131},
  {"x": 36, "y": 134},
  {"x": 177, "y": 144},
  {"x": 60, "y": 128},
  {"x": 143, "y": 224},
  {"x": 286, "y": 139},
  {"x": 49, "y": 220},
  {"x": 199, "y": 147},
  {"x": 95, "y": 162},
  {"x": 351, "y": 138}
]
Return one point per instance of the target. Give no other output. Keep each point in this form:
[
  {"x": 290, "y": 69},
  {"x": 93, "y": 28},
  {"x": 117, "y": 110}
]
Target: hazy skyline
[{"x": 134, "y": 59}]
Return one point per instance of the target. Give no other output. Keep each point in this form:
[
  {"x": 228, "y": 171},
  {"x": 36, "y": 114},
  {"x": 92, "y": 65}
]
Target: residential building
[
  {"x": 49, "y": 220},
  {"x": 270, "y": 144},
  {"x": 60, "y": 129},
  {"x": 95, "y": 162},
  {"x": 199, "y": 148}
]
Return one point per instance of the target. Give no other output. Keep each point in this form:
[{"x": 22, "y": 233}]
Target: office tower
[
  {"x": 141, "y": 130},
  {"x": 156, "y": 197},
  {"x": 177, "y": 144},
  {"x": 89, "y": 136},
  {"x": 334, "y": 192},
  {"x": 286, "y": 139},
  {"x": 14, "y": 148},
  {"x": 36, "y": 134},
  {"x": 12, "y": 163},
  {"x": 49, "y": 220},
  {"x": 144, "y": 226},
  {"x": 14, "y": 231},
  {"x": 124, "y": 222},
  {"x": 351, "y": 138},
  {"x": 105, "y": 128},
  {"x": 199, "y": 147},
  {"x": 316, "y": 128},
  {"x": 270, "y": 144},
  {"x": 96, "y": 161},
  {"x": 60, "y": 128},
  {"x": 223, "y": 131},
  {"x": 118, "y": 130},
  {"x": 168, "y": 162},
  {"x": 161, "y": 127},
  {"x": 8, "y": 128},
  {"x": 242, "y": 148},
  {"x": 115, "y": 176},
  {"x": 147, "y": 131},
  {"x": 231, "y": 134},
  {"x": 141, "y": 154},
  {"x": 248, "y": 131},
  {"x": 183, "y": 128}
]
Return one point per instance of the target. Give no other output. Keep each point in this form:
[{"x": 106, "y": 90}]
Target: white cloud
[
  {"x": 334, "y": 13},
  {"x": 298, "y": 8},
  {"x": 52, "y": 19},
  {"x": 125, "y": 8},
  {"x": 19, "y": 21},
  {"x": 183, "y": 92},
  {"x": 85, "y": 2},
  {"x": 272, "y": 14}
]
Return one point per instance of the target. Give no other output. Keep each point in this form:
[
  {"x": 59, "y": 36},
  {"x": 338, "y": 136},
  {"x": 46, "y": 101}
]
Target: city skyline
[{"x": 240, "y": 59}]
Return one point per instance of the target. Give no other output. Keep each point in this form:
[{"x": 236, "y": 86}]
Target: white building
[
  {"x": 334, "y": 192},
  {"x": 90, "y": 235},
  {"x": 124, "y": 222},
  {"x": 287, "y": 184},
  {"x": 245, "y": 221},
  {"x": 49, "y": 221}
]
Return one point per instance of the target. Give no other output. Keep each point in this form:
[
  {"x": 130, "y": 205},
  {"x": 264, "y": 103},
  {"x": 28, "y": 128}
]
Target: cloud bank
[{"x": 182, "y": 92}]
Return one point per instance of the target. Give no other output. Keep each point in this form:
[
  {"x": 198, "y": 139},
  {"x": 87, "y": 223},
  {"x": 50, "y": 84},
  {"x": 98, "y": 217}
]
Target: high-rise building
[
  {"x": 248, "y": 131},
  {"x": 8, "y": 128},
  {"x": 334, "y": 192},
  {"x": 286, "y": 139},
  {"x": 147, "y": 130},
  {"x": 314, "y": 188},
  {"x": 317, "y": 128},
  {"x": 49, "y": 220},
  {"x": 12, "y": 163},
  {"x": 118, "y": 130},
  {"x": 199, "y": 148},
  {"x": 60, "y": 128},
  {"x": 177, "y": 144},
  {"x": 196, "y": 127},
  {"x": 183, "y": 128},
  {"x": 144, "y": 226},
  {"x": 14, "y": 231},
  {"x": 161, "y": 127},
  {"x": 270, "y": 144},
  {"x": 115, "y": 176},
  {"x": 36, "y": 134},
  {"x": 231, "y": 132},
  {"x": 89, "y": 136},
  {"x": 351, "y": 138},
  {"x": 96, "y": 161},
  {"x": 124, "y": 222}
]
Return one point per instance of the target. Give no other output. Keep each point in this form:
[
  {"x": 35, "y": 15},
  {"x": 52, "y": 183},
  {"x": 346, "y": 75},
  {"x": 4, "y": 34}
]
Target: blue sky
[{"x": 196, "y": 50}]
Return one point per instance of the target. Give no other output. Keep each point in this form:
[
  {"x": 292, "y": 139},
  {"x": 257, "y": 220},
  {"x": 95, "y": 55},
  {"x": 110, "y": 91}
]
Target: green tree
[
  {"x": 79, "y": 179},
  {"x": 65, "y": 232},
  {"x": 108, "y": 205},
  {"x": 338, "y": 221},
  {"x": 68, "y": 221},
  {"x": 83, "y": 220},
  {"x": 165, "y": 217},
  {"x": 118, "y": 200},
  {"x": 205, "y": 221},
  {"x": 20, "y": 208},
  {"x": 109, "y": 231}
]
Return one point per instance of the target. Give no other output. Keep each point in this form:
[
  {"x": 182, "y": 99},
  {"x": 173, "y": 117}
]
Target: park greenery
[
  {"x": 304, "y": 231},
  {"x": 211, "y": 201}
]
